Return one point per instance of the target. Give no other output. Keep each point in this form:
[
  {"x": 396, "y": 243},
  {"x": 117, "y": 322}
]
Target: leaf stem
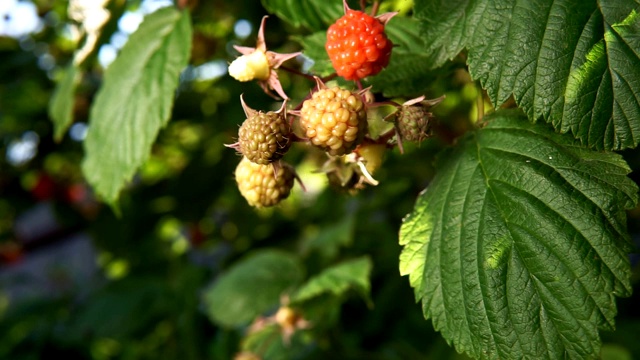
[{"x": 480, "y": 105}]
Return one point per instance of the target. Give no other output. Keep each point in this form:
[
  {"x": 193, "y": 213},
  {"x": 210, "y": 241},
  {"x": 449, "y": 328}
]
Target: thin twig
[
  {"x": 329, "y": 77},
  {"x": 383, "y": 103},
  {"x": 375, "y": 8},
  {"x": 294, "y": 71}
]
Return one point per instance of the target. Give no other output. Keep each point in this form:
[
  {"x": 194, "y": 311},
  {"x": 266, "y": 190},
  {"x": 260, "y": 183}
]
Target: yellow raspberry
[
  {"x": 334, "y": 120},
  {"x": 264, "y": 185},
  {"x": 250, "y": 67}
]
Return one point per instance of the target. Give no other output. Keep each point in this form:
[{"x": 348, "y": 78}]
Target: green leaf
[
  {"x": 124, "y": 308},
  {"x": 313, "y": 48},
  {"x": 329, "y": 238},
  {"x": 62, "y": 101},
  {"x": 135, "y": 100},
  {"x": 573, "y": 63},
  {"x": 252, "y": 286},
  {"x": 311, "y": 14},
  {"x": 409, "y": 72},
  {"x": 518, "y": 247},
  {"x": 338, "y": 279}
]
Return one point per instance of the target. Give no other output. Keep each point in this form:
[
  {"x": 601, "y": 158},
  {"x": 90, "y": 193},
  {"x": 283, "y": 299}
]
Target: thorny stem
[
  {"x": 307, "y": 76},
  {"x": 294, "y": 71},
  {"x": 304, "y": 188},
  {"x": 329, "y": 77},
  {"x": 363, "y": 4},
  {"x": 383, "y": 103}
]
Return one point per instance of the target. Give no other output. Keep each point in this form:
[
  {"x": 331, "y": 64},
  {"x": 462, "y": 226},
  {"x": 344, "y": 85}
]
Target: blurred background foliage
[{"x": 79, "y": 282}]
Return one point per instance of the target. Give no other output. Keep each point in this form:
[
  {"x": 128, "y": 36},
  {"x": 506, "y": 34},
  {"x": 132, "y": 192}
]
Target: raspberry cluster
[{"x": 332, "y": 118}]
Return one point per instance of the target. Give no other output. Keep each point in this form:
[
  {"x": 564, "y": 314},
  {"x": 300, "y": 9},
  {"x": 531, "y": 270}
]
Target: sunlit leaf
[
  {"x": 410, "y": 72},
  {"x": 573, "y": 63},
  {"x": 518, "y": 248},
  {"x": 135, "y": 100}
]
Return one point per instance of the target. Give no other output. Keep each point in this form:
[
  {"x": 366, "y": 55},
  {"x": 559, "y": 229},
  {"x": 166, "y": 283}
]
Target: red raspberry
[{"x": 357, "y": 45}]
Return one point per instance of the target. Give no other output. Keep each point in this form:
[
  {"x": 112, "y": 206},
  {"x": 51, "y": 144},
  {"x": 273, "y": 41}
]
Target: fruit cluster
[{"x": 333, "y": 119}]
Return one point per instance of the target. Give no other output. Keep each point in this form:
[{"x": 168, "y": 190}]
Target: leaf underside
[
  {"x": 135, "y": 100},
  {"x": 573, "y": 63},
  {"x": 518, "y": 247}
]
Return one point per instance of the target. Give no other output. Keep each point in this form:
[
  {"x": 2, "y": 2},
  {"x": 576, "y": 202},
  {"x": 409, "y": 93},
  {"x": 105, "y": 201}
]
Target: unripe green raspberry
[
  {"x": 413, "y": 122},
  {"x": 413, "y": 119},
  {"x": 264, "y": 137},
  {"x": 264, "y": 185},
  {"x": 334, "y": 120}
]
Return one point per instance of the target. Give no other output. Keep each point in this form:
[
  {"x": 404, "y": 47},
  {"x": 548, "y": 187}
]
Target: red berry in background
[
  {"x": 44, "y": 188},
  {"x": 357, "y": 45},
  {"x": 10, "y": 253}
]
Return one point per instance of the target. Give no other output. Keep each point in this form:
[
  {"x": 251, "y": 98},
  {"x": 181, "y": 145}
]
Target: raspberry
[
  {"x": 252, "y": 66},
  {"x": 264, "y": 137},
  {"x": 413, "y": 122},
  {"x": 334, "y": 120},
  {"x": 264, "y": 185},
  {"x": 357, "y": 45},
  {"x": 287, "y": 318}
]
